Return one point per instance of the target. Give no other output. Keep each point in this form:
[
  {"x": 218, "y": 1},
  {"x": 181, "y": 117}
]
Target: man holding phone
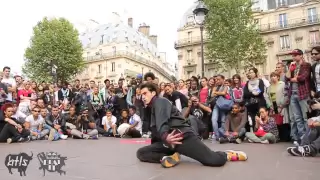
[{"x": 171, "y": 135}]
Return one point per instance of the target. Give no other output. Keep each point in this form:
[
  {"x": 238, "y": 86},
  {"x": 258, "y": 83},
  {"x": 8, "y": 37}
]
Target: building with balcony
[
  {"x": 117, "y": 50},
  {"x": 286, "y": 28},
  {"x": 188, "y": 46}
]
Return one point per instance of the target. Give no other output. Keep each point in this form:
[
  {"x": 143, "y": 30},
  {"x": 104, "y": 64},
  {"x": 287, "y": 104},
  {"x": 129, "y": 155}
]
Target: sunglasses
[
  {"x": 36, "y": 111},
  {"x": 314, "y": 54}
]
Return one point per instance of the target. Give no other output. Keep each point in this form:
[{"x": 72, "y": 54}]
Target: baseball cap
[{"x": 296, "y": 52}]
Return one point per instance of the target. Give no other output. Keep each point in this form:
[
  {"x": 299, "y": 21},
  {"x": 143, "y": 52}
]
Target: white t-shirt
[
  {"x": 10, "y": 82},
  {"x": 105, "y": 121},
  {"x": 136, "y": 118},
  {"x": 34, "y": 123}
]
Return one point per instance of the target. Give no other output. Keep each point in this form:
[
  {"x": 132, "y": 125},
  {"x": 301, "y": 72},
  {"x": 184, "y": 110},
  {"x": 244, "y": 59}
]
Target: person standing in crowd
[
  {"x": 176, "y": 98},
  {"x": 162, "y": 89},
  {"x": 199, "y": 116},
  {"x": 204, "y": 91},
  {"x": 253, "y": 95},
  {"x": 3, "y": 91},
  {"x": 315, "y": 71},
  {"x": 104, "y": 92},
  {"x": 169, "y": 140},
  {"x": 182, "y": 87},
  {"x": 194, "y": 91},
  {"x": 10, "y": 83},
  {"x": 299, "y": 93},
  {"x": 220, "y": 90}
]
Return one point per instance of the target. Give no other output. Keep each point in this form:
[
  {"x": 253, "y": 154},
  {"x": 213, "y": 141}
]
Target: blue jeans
[
  {"x": 299, "y": 109},
  {"x": 216, "y": 113},
  {"x": 56, "y": 134}
]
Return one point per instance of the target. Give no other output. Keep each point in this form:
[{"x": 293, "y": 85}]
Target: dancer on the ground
[{"x": 172, "y": 136}]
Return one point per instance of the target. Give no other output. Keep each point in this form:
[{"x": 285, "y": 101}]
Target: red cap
[{"x": 296, "y": 52}]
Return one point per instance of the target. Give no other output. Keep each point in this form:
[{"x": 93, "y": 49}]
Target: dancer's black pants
[{"x": 191, "y": 147}]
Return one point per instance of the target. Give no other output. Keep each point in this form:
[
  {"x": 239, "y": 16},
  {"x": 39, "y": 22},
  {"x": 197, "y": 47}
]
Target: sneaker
[
  {"x": 145, "y": 136},
  {"x": 170, "y": 161},
  {"x": 238, "y": 141},
  {"x": 295, "y": 143},
  {"x": 250, "y": 141},
  {"x": 264, "y": 142},
  {"x": 9, "y": 140},
  {"x": 236, "y": 155},
  {"x": 223, "y": 140},
  {"x": 51, "y": 134},
  {"x": 117, "y": 136},
  {"x": 64, "y": 137},
  {"x": 95, "y": 137},
  {"x": 27, "y": 139},
  {"x": 299, "y": 150},
  {"x": 85, "y": 136}
]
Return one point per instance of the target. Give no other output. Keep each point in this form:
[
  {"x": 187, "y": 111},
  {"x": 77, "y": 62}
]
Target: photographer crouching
[
  {"x": 85, "y": 126},
  {"x": 310, "y": 142}
]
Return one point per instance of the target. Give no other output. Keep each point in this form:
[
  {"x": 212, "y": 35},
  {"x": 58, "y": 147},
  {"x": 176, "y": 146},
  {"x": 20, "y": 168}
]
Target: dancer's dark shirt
[{"x": 164, "y": 117}]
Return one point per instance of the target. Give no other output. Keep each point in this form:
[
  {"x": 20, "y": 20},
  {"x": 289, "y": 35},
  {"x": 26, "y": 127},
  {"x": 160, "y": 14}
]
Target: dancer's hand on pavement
[{"x": 173, "y": 138}]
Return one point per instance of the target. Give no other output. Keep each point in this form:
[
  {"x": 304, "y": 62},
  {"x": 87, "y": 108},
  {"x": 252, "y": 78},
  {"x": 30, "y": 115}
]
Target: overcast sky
[{"x": 17, "y": 18}]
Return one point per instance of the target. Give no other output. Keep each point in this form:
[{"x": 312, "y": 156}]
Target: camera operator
[
  {"x": 199, "y": 115},
  {"x": 85, "y": 126},
  {"x": 310, "y": 142}
]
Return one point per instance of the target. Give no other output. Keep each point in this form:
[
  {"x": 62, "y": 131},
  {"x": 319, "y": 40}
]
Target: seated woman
[
  {"x": 109, "y": 124},
  {"x": 85, "y": 127},
  {"x": 10, "y": 129},
  {"x": 266, "y": 129},
  {"x": 34, "y": 123}
]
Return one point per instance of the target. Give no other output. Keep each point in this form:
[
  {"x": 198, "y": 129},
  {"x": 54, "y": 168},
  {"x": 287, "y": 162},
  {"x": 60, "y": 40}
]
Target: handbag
[
  {"x": 278, "y": 118},
  {"x": 251, "y": 101},
  {"x": 260, "y": 132},
  {"x": 224, "y": 104}
]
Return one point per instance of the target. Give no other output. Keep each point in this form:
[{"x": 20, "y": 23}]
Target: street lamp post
[
  {"x": 200, "y": 12},
  {"x": 53, "y": 71}
]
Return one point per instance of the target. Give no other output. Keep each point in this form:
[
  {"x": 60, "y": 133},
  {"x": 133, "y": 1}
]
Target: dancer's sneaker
[
  {"x": 170, "y": 161},
  {"x": 236, "y": 155}
]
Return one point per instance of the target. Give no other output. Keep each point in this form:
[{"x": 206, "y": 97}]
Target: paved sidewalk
[{"x": 109, "y": 158}]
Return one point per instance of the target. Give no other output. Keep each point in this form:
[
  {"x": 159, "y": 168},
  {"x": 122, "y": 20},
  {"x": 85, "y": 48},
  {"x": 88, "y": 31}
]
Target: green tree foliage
[
  {"x": 56, "y": 41},
  {"x": 234, "y": 41}
]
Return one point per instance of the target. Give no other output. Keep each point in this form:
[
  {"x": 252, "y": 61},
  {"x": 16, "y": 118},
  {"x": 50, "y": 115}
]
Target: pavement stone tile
[{"x": 108, "y": 158}]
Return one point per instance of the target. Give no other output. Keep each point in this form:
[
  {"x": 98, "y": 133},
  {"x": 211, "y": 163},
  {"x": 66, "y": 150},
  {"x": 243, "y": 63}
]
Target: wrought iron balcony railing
[
  {"x": 189, "y": 41},
  {"x": 132, "y": 56},
  {"x": 288, "y": 24}
]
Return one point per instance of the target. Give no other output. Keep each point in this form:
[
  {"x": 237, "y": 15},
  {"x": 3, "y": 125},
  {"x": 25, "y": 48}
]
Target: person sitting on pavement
[
  {"x": 310, "y": 142},
  {"x": 234, "y": 126},
  {"x": 85, "y": 126},
  {"x": 109, "y": 124},
  {"x": 34, "y": 123},
  {"x": 55, "y": 123},
  {"x": 10, "y": 129},
  {"x": 266, "y": 129}
]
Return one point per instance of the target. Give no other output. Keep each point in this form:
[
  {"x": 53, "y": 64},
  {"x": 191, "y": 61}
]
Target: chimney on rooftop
[
  {"x": 130, "y": 22},
  {"x": 154, "y": 39},
  {"x": 144, "y": 29}
]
